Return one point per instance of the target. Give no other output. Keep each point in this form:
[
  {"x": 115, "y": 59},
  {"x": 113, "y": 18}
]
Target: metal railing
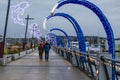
[{"x": 97, "y": 69}]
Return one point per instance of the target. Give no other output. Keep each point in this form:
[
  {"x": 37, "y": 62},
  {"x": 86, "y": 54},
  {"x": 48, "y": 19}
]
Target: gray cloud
[{"x": 88, "y": 21}]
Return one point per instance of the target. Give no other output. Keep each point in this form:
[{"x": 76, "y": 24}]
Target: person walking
[
  {"x": 47, "y": 49},
  {"x": 41, "y": 49}
]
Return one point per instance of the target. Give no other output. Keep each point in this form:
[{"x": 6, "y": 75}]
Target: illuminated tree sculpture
[{"x": 34, "y": 30}]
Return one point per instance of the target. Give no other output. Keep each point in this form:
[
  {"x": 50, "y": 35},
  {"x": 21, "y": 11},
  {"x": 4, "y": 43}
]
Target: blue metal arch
[
  {"x": 101, "y": 16},
  {"x": 80, "y": 36},
  {"x": 58, "y": 39},
  {"x": 68, "y": 39},
  {"x": 53, "y": 41},
  {"x": 103, "y": 19}
]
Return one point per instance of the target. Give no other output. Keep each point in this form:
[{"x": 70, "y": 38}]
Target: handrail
[{"x": 92, "y": 60}]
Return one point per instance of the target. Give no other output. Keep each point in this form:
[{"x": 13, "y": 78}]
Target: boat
[{"x": 92, "y": 48}]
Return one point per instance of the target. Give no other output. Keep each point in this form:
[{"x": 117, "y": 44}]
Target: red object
[
  {"x": 41, "y": 44},
  {"x": 1, "y": 49}
]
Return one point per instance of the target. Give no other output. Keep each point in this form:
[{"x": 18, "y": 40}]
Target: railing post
[
  {"x": 82, "y": 62},
  {"x": 76, "y": 59},
  {"x": 70, "y": 56},
  {"x": 104, "y": 75},
  {"x": 90, "y": 66}
]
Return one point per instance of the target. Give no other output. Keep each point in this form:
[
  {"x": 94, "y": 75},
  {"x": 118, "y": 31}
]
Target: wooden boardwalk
[{"x": 30, "y": 67}]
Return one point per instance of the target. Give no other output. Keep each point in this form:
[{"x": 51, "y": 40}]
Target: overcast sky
[{"x": 88, "y": 21}]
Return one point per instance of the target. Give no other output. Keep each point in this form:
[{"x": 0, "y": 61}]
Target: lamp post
[
  {"x": 2, "y": 44},
  {"x": 25, "y": 40}
]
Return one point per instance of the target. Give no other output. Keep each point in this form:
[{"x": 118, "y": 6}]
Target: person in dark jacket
[
  {"x": 41, "y": 49},
  {"x": 47, "y": 49}
]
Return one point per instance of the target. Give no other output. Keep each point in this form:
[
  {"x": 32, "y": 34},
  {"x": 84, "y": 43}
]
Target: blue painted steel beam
[
  {"x": 103, "y": 19},
  {"x": 68, "y": 39},
  {"x": 58, "y": 39},
  {"x": 80, "y": 36},
  {"x": 101, "y": 16}
]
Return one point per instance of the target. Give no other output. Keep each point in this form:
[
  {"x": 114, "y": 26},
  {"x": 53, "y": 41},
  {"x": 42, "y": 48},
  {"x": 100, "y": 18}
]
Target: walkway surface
[{"x": 31, "y": 68}]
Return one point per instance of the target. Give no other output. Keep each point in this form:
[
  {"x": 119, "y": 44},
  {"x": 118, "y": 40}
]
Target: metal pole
[
  {"x": 25, "y": 40},
  {"x": 6, "y": 22},
  {"x": 98, "y": 56},
  {"x": 5, "y": 29}
]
